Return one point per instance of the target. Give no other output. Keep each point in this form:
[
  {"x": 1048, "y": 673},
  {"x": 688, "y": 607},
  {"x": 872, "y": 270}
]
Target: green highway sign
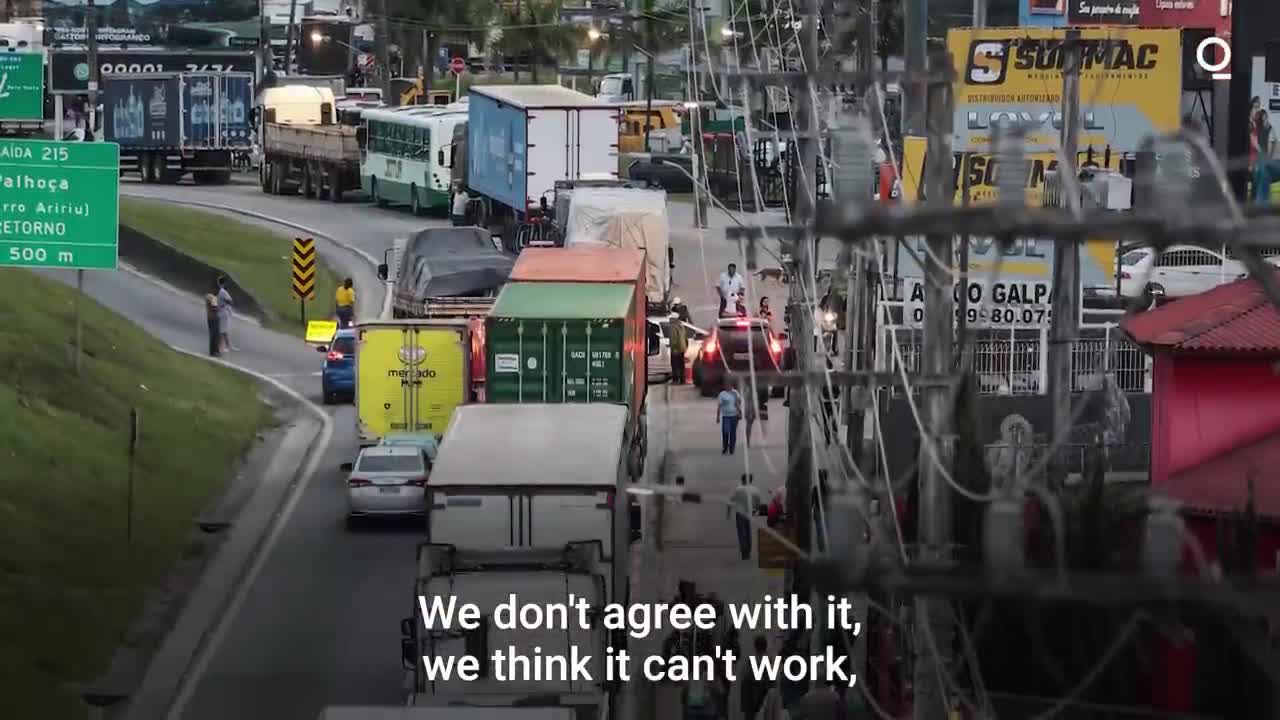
[
  {"x": 21, "y": 86},
  {"x": 59, "y": 204}
]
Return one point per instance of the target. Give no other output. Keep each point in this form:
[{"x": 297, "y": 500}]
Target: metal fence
[{"x": 1014, "y": 360}]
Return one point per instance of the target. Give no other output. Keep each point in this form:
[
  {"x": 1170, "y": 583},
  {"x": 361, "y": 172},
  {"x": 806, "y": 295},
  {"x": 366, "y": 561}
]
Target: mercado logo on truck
[{"x": 1130, "y": 85}]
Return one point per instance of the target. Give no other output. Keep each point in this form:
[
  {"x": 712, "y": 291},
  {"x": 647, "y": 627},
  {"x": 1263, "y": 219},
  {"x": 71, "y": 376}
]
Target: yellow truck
[{"x": 410, "y": 375}]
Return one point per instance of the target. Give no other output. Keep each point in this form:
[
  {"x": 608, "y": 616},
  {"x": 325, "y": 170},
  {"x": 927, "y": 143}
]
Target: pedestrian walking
[
  {"x": 729, "y": 286},
  {"x": 821, "y": 703},
  {"x": 772, "y": 708},
  {"x": 679, "y": 346},
  {"x": 728, "y": 412},
  {"x": 749, "y": 414},
  {"x": 743, "y": 504},
  {"x": 225, "y": 303},
  {"x": 751, "y": 690},
  {"x": 344, "y": 301},
  {"x": 458, "y": 208},
  {"x": 211, "y": 317}
]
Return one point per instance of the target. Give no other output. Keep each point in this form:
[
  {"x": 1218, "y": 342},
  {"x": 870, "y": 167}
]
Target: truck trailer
[
  {"x": 171, "y": 124},
  {"x": 521, "y": 139},
  {"x": 550, "y": 342},
  {"x": 304, "y": 145}
]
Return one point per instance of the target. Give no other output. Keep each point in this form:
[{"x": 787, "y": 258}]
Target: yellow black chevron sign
[{"x": 304, "y": 268}]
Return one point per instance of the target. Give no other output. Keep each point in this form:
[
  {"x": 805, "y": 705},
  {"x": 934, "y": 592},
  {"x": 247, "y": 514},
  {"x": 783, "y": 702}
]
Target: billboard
[
  {"x": 69, "y": 69},
  {"x": 1022, "y": 293},
  {"x": 1103, "y": 12},
  {"x": 1130, "y": 85},
  {"x": 162, "y": 23},
  {"x": 1205, "y": 14}
]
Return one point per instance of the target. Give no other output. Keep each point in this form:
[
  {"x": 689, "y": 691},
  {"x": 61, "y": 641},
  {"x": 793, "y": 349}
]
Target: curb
[
  {"x": 373, "y": 262},
  {"x": 230, "y": 571}
]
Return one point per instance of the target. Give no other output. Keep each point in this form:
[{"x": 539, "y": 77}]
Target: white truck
[
  {"x": 537, "y": 476},
  {"x": 521, "y": 140},
  {"x": 488, "y": 580},
  {"x": 304, "y": 146},
  {"x": 624, "y": 217}
]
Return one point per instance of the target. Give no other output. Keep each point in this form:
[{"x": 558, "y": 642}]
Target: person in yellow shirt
[{"x": 345, "y": 301}]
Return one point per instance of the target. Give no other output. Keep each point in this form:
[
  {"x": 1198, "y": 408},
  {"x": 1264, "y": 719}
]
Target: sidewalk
[{"x": 698, "y": 541}]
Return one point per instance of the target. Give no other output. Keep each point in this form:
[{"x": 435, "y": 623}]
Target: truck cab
[{"x": 489, "y": 579}]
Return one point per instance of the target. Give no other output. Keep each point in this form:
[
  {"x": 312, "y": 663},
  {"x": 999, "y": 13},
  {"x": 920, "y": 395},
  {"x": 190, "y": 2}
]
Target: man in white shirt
[
  {"x": 744, "y": 503},
  {"x": 730, "y": 284}
]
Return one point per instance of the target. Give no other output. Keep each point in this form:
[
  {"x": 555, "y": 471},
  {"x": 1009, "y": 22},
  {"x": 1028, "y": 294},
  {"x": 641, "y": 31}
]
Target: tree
[
  {"x": 538, "y": 33},
  {"x": 426, "y": 23}
]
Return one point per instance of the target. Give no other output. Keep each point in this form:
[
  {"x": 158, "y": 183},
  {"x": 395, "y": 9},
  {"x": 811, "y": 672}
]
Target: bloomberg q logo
[
  {"x": 988, "y": 62},
  {"x": 412, "y": 355}
]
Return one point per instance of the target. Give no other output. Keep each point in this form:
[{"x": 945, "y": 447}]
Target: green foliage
[{"x": 538, "y": 32}]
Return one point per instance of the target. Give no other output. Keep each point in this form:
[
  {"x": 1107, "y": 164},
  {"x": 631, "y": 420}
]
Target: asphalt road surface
[{"x": 321, "y": 624}]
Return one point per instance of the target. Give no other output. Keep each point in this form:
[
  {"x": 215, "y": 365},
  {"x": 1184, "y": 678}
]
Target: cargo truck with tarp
[
  {"x": 623, "y": 217},
  {"x": 410, "y": 376},
  {"x": 552, "y": 342},
  {"x": 171, "y": 124}
]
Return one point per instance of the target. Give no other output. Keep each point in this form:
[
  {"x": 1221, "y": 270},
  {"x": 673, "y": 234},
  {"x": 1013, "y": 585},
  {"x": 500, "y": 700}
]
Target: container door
[
  {"x": 433, "y": 364},
  {"x": 592, "y": 362},
  {"x": 236, "y": 95},
  {"x": 476, "y": 522},
  {"x": 523, "y": 358},
  {"x": 200, "y": 103}
]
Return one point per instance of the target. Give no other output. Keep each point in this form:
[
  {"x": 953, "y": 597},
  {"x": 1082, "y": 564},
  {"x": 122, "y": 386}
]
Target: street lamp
[
  {"x": 726, "y": 31},
  {"x": 593, "y": 34}
]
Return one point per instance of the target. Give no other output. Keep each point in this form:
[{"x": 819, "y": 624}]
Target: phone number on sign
[{"x": 995, "y": 315}]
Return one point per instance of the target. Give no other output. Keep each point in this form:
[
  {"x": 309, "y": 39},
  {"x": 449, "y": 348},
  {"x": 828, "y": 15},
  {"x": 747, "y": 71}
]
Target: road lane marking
[{"x": 209, "y": 649}]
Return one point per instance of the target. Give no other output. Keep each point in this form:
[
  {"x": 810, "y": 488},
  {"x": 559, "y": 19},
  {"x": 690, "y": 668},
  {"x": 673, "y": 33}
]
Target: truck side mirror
[
  {"x": 671, "y": 258},
  {"x": 322, "y": 348},
  {"x": 382, "y": 271}
]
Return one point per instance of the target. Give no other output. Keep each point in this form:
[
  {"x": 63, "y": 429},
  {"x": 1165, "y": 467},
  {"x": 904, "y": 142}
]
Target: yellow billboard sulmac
[
  {"x": 1027, "y": 259},
  {"x": 1130, "y": 85}
]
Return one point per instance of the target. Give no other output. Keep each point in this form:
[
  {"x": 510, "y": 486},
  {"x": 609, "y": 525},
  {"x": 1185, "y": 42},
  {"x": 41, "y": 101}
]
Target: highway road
[{"x": 320, "y": 624}]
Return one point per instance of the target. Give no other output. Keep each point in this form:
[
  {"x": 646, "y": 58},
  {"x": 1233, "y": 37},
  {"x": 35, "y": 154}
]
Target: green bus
[{"x": 407, "y": 156}]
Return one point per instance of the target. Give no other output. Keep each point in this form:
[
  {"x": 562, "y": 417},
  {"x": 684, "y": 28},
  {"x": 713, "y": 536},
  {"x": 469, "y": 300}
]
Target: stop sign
[{"x": 457, "y": 65}]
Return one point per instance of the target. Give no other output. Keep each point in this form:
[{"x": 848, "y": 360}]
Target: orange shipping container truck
[{"x": 596, "y": 264}]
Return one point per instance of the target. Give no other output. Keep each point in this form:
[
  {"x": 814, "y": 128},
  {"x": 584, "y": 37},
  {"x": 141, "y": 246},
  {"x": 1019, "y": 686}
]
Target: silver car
[{"x": 388, "y": 480}]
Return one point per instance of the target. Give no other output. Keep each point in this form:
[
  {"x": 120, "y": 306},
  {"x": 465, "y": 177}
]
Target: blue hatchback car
[{"x": 338, "y": 374}]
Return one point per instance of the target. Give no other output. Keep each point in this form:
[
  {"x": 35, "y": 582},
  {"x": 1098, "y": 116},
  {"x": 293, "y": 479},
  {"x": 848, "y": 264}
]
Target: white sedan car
[{"x": 388, "y": 480}]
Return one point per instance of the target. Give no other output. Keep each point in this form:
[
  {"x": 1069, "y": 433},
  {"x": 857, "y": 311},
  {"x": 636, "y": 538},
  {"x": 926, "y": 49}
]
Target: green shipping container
[{"x": 563, "y": 342}]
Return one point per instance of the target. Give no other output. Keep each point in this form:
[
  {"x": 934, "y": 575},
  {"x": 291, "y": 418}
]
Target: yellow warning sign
[{"x": 320, "y": 332}]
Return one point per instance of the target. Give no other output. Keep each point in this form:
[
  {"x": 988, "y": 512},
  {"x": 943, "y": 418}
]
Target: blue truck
[
  {"x": 171, "y": 124},
  {"x": 521, "y": 140}
]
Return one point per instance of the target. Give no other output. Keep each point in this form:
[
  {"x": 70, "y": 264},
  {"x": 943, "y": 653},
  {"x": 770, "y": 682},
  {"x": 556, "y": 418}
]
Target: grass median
[
  {"x": 70, "y": 583},
  {"x": 259, "y": 259}
]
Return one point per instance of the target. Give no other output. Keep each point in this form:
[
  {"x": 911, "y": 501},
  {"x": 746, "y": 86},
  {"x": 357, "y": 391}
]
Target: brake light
[
  {"x": 775, "y": 347},
  {"x": 1124, "y": 275},
  {"x": 358, "y": 482},
  {"x": 334, "y": 355},
  {"x": 709, "y": 347},
  {"x": 743, "y": 323},
  {"x": 607, "y": 504}
]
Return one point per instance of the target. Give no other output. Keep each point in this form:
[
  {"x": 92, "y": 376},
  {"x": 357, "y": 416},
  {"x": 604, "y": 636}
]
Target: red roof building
[{"x": 1215, "y": 407}]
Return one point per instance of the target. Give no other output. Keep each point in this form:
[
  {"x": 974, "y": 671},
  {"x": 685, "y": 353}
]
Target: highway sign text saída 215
[{"x": 59, "y": 204}]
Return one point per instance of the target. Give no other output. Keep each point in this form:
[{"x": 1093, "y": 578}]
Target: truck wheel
[
  {"x": 373, "y": 191},
  {"x": 335, "y": 184},
  {"x": 277, "y": 178},
  {"x": 264, "y": 176},
  {"x": 220, "y": 177},
  {"x": 415, "y": 206}
]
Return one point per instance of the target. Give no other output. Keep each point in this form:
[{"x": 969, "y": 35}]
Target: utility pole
[
  {"x": 915, "y": 30},
  {"x": 91, "y": 31},
  {"x": 289, "y": 36},
  {"x": 800, "y": 313},
  {"x": 980, "y": 13},
  {"x": 384, "y": 49},
  {"x": 852, "y": 146},
  {"x": 1065, "y": 321},
  {"x": 264, "y": 42},
  {"x": 932, "y": 642}
]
